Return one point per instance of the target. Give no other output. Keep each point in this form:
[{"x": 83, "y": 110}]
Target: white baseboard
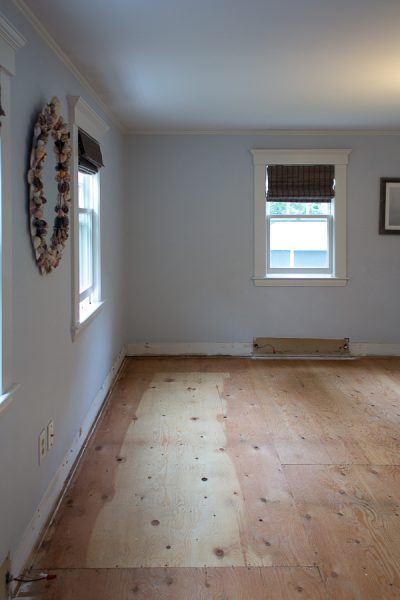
[
  {"x": 243, "y": 349},
  {"x": 367, "y": 349},
  {"x": 50, "y": 499},
  {"x": 191, "y": 348}
]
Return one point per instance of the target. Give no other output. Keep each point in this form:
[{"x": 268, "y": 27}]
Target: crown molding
[
  {"x": 10, "y": 34},
  {"x": 50, "y": 41},
  {"x": 266, "y": 132},
  {"x": 10, "y": 41}
]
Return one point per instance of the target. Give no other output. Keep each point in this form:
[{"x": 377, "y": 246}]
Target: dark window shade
[
  {"x": 300, "y": 183},
  {"x": 2, "y": 113},
  {"x": 90, "y": 159}
]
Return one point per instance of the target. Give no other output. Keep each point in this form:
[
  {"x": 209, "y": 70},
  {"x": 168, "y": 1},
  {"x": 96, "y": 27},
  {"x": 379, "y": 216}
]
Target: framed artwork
[{"x": 389, "y": 213}]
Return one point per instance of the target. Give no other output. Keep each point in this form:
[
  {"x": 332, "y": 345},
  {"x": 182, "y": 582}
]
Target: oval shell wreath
[{"x": 49, "y": 121}]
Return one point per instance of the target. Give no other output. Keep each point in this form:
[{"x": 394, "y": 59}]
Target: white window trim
[
  {"x": 337, "y": 157},
  {"x": 10, "y": 41},
  {"x": 82, "y": 116}
]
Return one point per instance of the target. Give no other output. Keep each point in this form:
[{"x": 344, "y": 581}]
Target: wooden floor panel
[
  {"x": 271, "y": 530},
  {"x": 260, "y": 479},
  {"x": 351, "y": 518}
]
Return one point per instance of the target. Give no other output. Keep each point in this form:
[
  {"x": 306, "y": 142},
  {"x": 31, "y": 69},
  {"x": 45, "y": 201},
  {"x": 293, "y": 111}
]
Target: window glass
[
  {"x": 299, "y": 208},
  {"x": 85, "y": 252},
  {"x": 299, "y": 243},
  {"x": 88, "y": 188},
  {"x": 85, "y": 185}
]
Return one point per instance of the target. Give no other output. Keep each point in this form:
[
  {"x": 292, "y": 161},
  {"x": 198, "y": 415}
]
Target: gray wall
[
  {"x": 59, "y": 378},
  {"x": 191, "y": 245}
]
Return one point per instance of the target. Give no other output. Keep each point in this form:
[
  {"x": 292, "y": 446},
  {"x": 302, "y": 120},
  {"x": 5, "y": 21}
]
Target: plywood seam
[
  {"x": 222, "y": 567},
  {"x": 355, "y": 464}
]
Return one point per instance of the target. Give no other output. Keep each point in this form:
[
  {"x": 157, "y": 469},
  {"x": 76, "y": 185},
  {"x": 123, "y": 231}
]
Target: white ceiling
[{"x": 235, "y": 64}]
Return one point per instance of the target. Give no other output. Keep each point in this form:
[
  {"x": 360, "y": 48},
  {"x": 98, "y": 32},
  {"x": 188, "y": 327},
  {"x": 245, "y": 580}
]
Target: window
[
  {"x": 300, "y": 217},
  {"x": 88, "y": 186},
  {"x": 299, "y": 213},
  {"x": 87, "y": 132},
  {"x": 10, "y": 41}
]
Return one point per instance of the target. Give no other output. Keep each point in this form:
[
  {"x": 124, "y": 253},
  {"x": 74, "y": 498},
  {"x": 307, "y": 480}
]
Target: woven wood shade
[
  {"x": 90, "y": 158},
  {"x": 300, "y": 183}
]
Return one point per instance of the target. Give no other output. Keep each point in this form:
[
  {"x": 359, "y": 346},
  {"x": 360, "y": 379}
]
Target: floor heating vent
[{"x": 264, "y": 346}]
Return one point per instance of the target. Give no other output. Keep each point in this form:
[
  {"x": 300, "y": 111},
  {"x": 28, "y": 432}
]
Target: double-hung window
[
  {"x": 88, "y": 214},
  {"x": 90, "y": 161},
  {"x": 300, "y": 217},
  {"x": 300, "y": 213},
  {"x": 87, "y": 131}
]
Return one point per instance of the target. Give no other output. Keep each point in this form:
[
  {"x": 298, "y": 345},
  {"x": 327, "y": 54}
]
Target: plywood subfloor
[{"x": 232, "y": 478}]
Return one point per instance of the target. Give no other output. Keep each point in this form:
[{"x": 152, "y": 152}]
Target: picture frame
[{"x": 389, "y": 210}]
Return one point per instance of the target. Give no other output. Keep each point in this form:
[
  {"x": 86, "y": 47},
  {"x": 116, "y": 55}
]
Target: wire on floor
[{"x": 22, "y": 579}]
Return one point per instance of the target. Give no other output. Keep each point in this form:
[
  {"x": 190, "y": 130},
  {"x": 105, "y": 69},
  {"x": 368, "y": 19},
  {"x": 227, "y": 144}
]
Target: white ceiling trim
[
  {"x": 10, "y": 41},
  {"x": 10, "y": 34},
  {"x": 50, "y": 41},
  {"x": 266, "y": 132}
]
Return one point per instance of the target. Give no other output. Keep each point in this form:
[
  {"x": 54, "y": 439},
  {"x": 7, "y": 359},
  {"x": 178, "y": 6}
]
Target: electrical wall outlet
[
  {"x": 42, "y": 445},
  {"x": 50, "y": 435}
]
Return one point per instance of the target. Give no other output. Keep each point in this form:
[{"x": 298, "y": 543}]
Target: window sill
[
  {"x": 88, "y": 318},
  {"x": 300, "y": 281},
  {"x": 8, "y": 397}
]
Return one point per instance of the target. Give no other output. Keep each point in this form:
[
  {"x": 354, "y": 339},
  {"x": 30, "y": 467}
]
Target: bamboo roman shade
[
  {"x": 90, "y": 158},
  {"x": 300, "y": 183}
]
